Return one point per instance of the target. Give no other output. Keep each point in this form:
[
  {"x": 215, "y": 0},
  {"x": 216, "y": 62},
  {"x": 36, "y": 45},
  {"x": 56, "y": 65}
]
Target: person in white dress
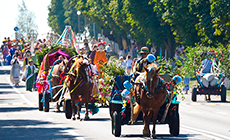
[{"x": 15, "y": 71}]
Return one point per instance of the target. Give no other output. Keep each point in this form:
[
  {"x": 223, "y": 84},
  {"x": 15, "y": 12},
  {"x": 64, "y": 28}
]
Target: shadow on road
[
  {"x": 6, "y": 92},
  {"x": 162, "y": 136},
  {"x": 4, "y": 72},
  {"x": 16, "y": 109},
  {"x": 4, "y": 86},
  {"x": 32, "y": 129}
]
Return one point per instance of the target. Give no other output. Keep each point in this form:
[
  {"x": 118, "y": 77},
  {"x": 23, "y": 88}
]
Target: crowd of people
[
  {"x": 98, "y": 51},
  {"x": 17, "y": 53}
]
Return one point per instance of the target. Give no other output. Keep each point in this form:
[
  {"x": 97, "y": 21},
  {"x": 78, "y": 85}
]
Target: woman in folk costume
[
  {"x": 15, "y": 71},
  {"x": 5, "y": 51},
  {"x": 26, "y": 59},
  {"x": 100, "y": 57},
  {"x": 29, "y": 75}
]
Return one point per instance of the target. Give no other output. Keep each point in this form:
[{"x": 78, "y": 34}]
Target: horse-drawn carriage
[
  {"x": 50, "y": 77},
  {"x": 209, "y": 70},
  {"x": 205, "y": 86},
  {"x": 122, "y": 109}
]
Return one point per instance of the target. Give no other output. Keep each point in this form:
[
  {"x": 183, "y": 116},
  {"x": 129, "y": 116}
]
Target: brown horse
[
  {"x": 79, "y": 85},
  {"x": 57, "y": 80},
  {"x": 152, "y": 92}
]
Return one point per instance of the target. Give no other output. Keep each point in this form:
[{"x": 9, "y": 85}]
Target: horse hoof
[
  {"x": 74, "y": 118},
  {"x": 86, "y": 117},
  {"x": 154, "y": 136},
  {"x": 57, "y": 110},
  {"x": 78, "y": 118},
  {"x": 146, "y": 133}
]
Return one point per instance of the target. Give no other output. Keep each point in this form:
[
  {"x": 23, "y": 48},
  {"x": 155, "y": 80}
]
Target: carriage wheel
[
  {"x": 40, "y": 104},
  {"x": 194, "y": 91},
  {"x": 68, "y": 109},
  {"x": 116, "y": 124},
  {"x": 47, "y": 96},
  {"x": 223, "y": 93},
  {"x": 174, "y": 125},
  {"x": 114, "y": 107}
]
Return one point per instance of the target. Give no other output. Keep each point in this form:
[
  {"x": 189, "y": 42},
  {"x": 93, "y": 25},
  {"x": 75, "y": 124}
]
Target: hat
[
  {"x": 101, "y": 43},
  {"x": 31, "y": 60},
  {"x": 144, "y": 50},
  {"x": 151, "y": 58}
]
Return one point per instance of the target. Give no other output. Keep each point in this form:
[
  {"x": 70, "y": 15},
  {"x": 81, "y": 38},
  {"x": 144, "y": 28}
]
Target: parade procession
[{"x": 115, "y": 70}]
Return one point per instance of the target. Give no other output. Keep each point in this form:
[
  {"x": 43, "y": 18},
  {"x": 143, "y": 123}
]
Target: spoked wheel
[
  {"x": 47, "y": 96},
  {"x": 116, "y": 124},
  {"x": 40, "y": 104},
  {"x": 194, "y": 91},
  {"x": 68, "y": 109}
]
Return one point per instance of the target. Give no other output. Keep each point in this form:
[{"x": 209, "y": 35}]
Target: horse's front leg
[
  {"x": 73, "y": 110},
  {"x": 57, "y": 106},
  {"x": 78, "y": 110},
  {"x": 147, "y": 118},
  {"x": 154, "y": 122},
  {"x": 86, "y": 111}
]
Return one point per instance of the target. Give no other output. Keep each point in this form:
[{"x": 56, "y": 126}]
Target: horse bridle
[{"x": 157, "y": 89}]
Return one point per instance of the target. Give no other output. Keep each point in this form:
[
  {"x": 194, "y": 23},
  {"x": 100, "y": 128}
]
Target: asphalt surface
[{"x": 20, "y": 119}]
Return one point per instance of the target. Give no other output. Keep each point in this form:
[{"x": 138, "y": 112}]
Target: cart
[
  {"x": 121, "y": 115},
  {"x": 218, "y": 89},
  {"x": 44, "y": 79}
]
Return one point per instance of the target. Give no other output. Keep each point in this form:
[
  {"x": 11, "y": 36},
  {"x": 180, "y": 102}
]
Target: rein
[{"x": 156, "y": 90}]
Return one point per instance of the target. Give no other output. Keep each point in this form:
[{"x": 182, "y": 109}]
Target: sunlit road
[{"x": 20, "y": 119}]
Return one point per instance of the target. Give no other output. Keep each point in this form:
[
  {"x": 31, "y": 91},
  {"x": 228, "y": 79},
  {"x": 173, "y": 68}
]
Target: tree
[
  {"x": 56, "y": 16},
  {"x": 25, "y": 21}
]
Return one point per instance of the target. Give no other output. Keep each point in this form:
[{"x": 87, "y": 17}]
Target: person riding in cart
[{"x": 143, "y": 62}]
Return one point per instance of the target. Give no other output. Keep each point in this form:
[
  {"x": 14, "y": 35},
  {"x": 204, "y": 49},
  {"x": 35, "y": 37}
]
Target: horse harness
[
  {"x": 80, "y": 80},
  {"x": 161, "y": 85}
]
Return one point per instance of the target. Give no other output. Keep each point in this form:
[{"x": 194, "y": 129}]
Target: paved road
[{"x": 20, "y": 119}]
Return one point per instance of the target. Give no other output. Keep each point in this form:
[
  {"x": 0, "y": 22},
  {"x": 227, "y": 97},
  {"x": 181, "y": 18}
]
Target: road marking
[
  {"x": 211, "y": 104},
  {"x": 224, "y": 104},
  {"x": 208, "y": 104},
  {"x": 21, "y": 95},
  {"x": 211, "y": 135}
]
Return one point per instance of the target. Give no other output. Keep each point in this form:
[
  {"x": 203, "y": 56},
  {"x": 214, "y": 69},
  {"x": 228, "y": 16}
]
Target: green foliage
[
  {"x": 41, "y": 54},
  {"x": 195, "y": 56},
  {"x": 110, "y": 70},
  {"x": 56, "y": 16},
  {"x": 166, "y": 23}
]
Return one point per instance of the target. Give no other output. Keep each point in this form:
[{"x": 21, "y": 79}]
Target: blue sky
[{"x": 9, "y": 14}]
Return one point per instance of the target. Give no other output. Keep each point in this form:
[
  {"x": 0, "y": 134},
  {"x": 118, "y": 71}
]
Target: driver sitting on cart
[
  {"x": 207, "y": 65},
  {"x": 142, "y": 63}
]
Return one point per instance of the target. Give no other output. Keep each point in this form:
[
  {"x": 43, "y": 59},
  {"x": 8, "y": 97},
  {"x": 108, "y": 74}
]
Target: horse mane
[
  {"x": 154, "y": 65},
  {"x": 78, "y": 63}
]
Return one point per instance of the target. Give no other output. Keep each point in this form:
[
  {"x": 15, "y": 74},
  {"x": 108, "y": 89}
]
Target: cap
[{"x": 144, "y": 50}]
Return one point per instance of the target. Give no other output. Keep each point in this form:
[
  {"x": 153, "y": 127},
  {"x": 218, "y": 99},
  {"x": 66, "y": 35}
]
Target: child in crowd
[{"x": 129, "y": 62}]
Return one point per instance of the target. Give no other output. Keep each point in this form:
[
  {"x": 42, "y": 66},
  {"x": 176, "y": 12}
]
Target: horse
[
  {"x": 152, "y": 95},
  {"x": 57, "y": 79},
  {"x": 79, "y": 84}
]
